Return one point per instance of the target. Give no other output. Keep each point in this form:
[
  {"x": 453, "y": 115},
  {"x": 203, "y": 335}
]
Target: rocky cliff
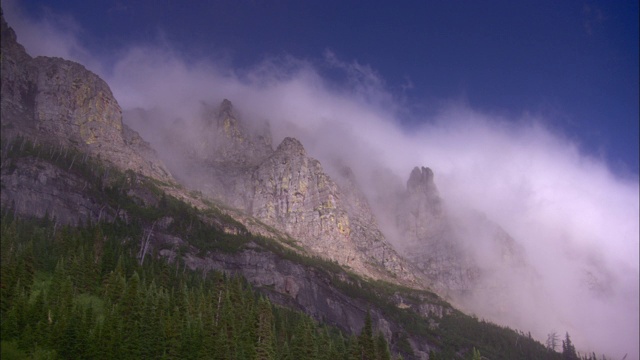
[
  {"x": 429, "y": 241},
  {"x": 57, "y": 101},
  {"x": 232, "y": 160},
  {"x": 292, "y": 192}
]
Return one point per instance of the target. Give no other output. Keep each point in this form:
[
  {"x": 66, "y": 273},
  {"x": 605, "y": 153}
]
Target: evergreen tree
[
  {"x": 382, "y": 349},
  {"x": 552, "y": 341},
  {"x": 131, "y": 312},
  {"x": 355, "y": 351},
  {"x": 303, "y": 344},
  {"x": 265, "y": 349},
  {"x": 365, "y": 340},
  {"x": 568, "y": 350}
]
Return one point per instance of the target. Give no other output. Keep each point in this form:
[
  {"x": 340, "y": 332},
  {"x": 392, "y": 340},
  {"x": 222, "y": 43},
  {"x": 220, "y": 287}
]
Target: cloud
[
  {"x": 53, "y": 34},
  {"x": 576, "y": 221}
]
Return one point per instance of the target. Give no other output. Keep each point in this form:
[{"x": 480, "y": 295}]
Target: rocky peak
[
  {"x": 292, "y": 146},
  {"x": 18, "y": 84},
  {"x": 421, "y": 181},
  {"x": 229, "y": 141},
  {"x": 9, "y": 39},
  {"x": 426, "y": 237},
  {"x": 61, "y": 102},
  {"x": 292, "y": 193},
  {"x": 226, "y": 121},
  {"x": 226, "y": 109}
]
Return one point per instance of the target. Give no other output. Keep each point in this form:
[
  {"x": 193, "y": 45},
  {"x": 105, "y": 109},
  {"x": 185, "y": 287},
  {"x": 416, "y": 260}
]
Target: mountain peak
[
  {"x": 8, "y": 35},
  {"x": 225, "y": 109},
  {"x": 226, "y": 120},
  {"x": 292, "y": 146},
  {"x": 421, "y": 180}
]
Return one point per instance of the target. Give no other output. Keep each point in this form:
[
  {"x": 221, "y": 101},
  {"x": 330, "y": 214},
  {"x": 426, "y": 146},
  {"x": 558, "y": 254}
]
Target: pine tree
[
  {"x": 365, "y": 340},
  {"x": 115, "y": 283},
  {"x": 382, "y": 349},
  {"x": 111, "y": 335},
  {"x": 131, "y": 312},
  {"x": 568, "y": 350},
  {"x": 303, "y": 343},
  {"x": 265, "y": 349},
  {"x": 552, "y": 341},
  {"x": 355, "y": 352}
]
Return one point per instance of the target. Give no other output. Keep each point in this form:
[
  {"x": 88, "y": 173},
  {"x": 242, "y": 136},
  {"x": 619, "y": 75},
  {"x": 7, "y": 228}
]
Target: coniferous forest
[{"x": 78, "y": 293}]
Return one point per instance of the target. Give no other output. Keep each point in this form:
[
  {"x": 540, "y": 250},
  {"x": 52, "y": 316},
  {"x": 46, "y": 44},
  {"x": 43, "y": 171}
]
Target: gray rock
[
  {"x": 61, "y": 102},
  {"x": 36, "y": 188},
  {"x": 428, "y": 240}
]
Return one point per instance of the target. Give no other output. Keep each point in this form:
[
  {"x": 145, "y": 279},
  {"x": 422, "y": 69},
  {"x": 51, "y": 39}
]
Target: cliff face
[
  {"x": 319, "y": 293},
  {"x": 444, "y": 246},
  {"x": 428, "y": 239},
  {"x": 60, "y": 102},
  {"x": 228, "y": 141},
  {"x": 292, "y": 192}
]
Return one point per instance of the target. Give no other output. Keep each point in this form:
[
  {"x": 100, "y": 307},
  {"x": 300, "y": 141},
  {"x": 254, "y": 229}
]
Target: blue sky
[{"x": 574, "y": 63}]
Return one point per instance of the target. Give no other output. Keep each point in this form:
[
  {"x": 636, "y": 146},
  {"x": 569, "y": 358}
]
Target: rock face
[
  {"x": 428, "y": 239},
  {"x": 291, "y": 191},
  {"x": 38, "y": 188},
  {"x": 294, "y": 194},
  {"x": 467, "y": 261},
  {"x": 316, "y": 292},
  {"x": 229, "y": 141},
  {"x": 60, "y": 102}
]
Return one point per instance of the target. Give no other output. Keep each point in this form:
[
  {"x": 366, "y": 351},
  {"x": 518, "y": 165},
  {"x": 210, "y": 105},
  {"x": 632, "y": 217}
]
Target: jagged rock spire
[
  {"x": 226, "y": 108},
  {"x": 421, "y": 181},
  {"x": 227, "y": 139}
]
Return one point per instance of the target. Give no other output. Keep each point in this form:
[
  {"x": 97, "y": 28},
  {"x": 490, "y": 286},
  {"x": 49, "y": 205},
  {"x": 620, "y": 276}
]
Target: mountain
[
  {"x": 227, "y": 200},
  {"x": 284, "y": 188}
]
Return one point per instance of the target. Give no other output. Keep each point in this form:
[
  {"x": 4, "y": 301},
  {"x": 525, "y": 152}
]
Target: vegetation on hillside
[{"x": 80, "y": 293}]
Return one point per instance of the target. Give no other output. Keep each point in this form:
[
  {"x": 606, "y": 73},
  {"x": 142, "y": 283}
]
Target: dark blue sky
[{"x": 575, "y": 63}]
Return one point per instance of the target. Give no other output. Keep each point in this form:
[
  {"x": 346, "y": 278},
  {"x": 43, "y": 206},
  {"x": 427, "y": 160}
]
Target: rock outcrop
[
  {"x": 228, "y": 141},
  {"x": 293, "y": 193},
  {"x": 317, "y": 293},
  {"x": 471, "y": 262},
  {"x": 58, "y": 101},
  {"x": 428, "y": 240},
  {"x": 37, "y": 188}
]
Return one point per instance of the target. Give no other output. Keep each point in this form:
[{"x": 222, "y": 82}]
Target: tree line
[{"x": 80, "y": 293}]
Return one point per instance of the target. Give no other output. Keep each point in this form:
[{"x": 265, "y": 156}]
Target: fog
[{"x": 576, "y": 220}]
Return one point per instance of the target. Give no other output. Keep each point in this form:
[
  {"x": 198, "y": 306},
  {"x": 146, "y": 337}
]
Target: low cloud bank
[{"x": 576, "y": 221}]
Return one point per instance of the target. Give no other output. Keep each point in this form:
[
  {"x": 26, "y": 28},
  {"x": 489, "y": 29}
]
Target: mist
[{"x": 575, "y": 220}]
